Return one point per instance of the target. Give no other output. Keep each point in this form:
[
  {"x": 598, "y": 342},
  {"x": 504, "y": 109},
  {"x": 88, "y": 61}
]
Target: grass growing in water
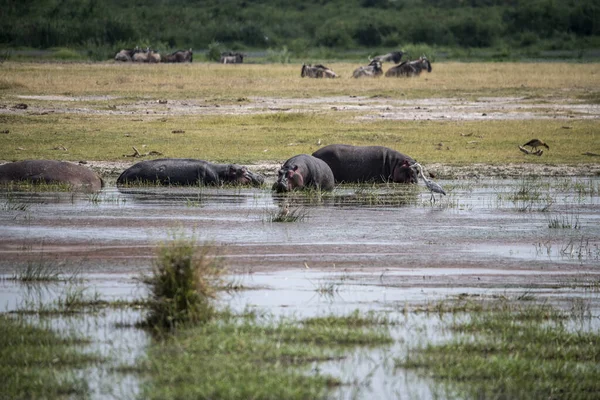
[
  {"x": 183, "y": 283},
  {"x": 525, "y": 353},
  {"x": 34, "y": 360},
  {"x": 242, "y": 357}
]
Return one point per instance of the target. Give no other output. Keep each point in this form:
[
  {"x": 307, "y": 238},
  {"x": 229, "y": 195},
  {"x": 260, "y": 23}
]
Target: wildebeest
[
  {"x": 126, "y": 54},
  {"x": 394, "y": 57},
  {"x": 146, "y": 56},
  {"x": 229, "y": 57},
  {"x": 317, "y": 71},
  {"x": 409, "y": 68},
  {"x": 179, "y": 56},
  {"x": 371, "y": 70}
]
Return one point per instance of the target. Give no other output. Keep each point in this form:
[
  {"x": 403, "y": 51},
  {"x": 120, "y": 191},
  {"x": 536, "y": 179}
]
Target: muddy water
[{"x": 372, "y": 247}]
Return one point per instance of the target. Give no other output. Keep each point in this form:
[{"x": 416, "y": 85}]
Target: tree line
[{"x": 336, "y": 24}]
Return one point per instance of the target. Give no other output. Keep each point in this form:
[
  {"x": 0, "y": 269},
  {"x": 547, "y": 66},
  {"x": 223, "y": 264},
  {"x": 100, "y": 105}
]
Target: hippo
[
  {"x": 188, "y": 171},
  {"x": 304, "y": 171},
  {"x": 367, "y": 164},
  {"x": 51, "y": 171}
]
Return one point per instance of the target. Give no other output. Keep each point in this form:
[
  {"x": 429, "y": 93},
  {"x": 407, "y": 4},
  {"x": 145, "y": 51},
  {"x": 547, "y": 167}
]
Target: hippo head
[
  {"x": 241, "y": 175},
  {"x": 289, "y": 178},
  {"x": 405, "y": 173}
]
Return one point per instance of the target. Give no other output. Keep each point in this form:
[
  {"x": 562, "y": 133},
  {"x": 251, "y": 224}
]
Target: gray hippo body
[
  {"x": 367, "y": 164},
  {"x": 304, "y": 171},
  {"x": 187, "y": 171},
  {"x": 51, "y": 171}
]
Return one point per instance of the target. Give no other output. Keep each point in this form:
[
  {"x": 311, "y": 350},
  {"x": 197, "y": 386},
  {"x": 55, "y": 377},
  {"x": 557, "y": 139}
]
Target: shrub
[{"x": 183, "y": 284}]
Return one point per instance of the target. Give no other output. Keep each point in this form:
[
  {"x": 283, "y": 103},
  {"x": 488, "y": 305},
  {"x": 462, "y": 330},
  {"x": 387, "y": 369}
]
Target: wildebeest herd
[
  {"x": 148, "y": 55},
  {"x": 373, "y": 69}
]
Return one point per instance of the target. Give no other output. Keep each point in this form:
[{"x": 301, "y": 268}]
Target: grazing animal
[
  {"x": 371, "y": 70},
  {"x": 394, "y": 57},
  {"x": 535, "y": 143},
  {"x": 126, "y": 54},
  {"x": 431, "y": 185},
  {"x": 367, "y": 164},
  {"x": 304, "y": 171},
  {"x": 153, "y": 57},
  {"x": 409, "y": 68},
  {"x": 141, "y": 55},
  {"x": 179, "y": 56},
  {"x": 76, "y": 176},
  {"x": 317, "y": 71},
  {"x": 229, "y": 57},
  {"x": 187, "y": 171}
]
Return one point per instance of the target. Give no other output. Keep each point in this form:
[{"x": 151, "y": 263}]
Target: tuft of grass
[
  {"x": 183, "y": 284},
  {"x": 287, "y": 214},
  {"x": 246, "y": 356},
  {"x": 517, "y": 353},
  {"x": 37, "y": 363}
]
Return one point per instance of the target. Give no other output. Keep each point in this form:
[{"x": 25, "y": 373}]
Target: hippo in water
[
  {"x": 304, "y": 171},
  {"x": 187, "y": 171},
  {"x": 367, "y": 164},
  {"x": 51, "y": 171}
]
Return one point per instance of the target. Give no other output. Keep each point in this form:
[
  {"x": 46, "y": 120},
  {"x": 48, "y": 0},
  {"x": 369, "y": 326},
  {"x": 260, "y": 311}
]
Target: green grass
[
  {"x": 37, "y": 363},
  {"x": 242, "y": 357},
  {"x": 516, "y": 352},
  {"x": 183, "y": 284}
]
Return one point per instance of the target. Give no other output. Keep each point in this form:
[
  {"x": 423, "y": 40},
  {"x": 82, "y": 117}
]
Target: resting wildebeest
[
  {"x": 126, "y": 54},
  {"x": 179, "y": 56},
  {"x": 409, "y": 68},
  {"x": 304, "y": 171},
  {"x": 371, "y": 70},
  {"x": 51, "y": 171},
  {"x": 228, "y": 57},
  {"x": 367, "y": 164},
  {"x": 317, "y": 71},
  {"x": 188, "y": 171},
  {"x": 394, "y": 57}
]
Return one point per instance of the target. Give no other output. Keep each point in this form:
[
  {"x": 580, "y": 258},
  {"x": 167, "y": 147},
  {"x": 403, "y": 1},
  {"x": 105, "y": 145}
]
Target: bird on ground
[
  {"x": 431, "y": 185},
  {"x": 535, "y": 143}
]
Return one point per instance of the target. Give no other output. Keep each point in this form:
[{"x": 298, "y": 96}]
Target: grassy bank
[{"x": 238, "y": 112}]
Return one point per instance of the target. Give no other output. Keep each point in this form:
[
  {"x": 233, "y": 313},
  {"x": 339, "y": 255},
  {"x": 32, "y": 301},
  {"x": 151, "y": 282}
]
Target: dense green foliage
[{"x": 338, "y": 24}]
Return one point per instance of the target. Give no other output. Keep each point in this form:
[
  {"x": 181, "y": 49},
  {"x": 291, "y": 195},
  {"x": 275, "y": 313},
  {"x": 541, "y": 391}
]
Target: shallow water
[{"x": 366, "y": 247}]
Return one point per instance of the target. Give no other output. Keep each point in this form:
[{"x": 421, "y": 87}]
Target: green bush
[{"x": 184, "y": 281}]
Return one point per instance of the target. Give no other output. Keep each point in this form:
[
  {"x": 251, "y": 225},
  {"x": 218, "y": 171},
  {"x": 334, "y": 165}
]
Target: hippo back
[
  {"x": 51, "y": 171},
  {"x": 367, "y": 163}
]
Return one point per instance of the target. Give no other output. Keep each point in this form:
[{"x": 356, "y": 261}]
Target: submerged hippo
[
  {"x": 367, "y": 164},
  {"x": 188, "y": 171},
  {"x": 51, "y": 171},
  {"x": 304, "y": 171}
]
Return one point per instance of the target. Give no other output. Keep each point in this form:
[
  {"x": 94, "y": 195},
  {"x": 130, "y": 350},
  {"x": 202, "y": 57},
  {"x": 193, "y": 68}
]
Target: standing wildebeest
[
  {"x": 367, "y": 164},
  {"x": 394, "y": 57},
  {"x": 229, "y": 57},
  {"x": 317, "y": 71},
  {"x": 51, "y": 171},
  {"x": 304, "y": 171},
  {"x": 187, "y": 171},
  {"x": 179, "y": 56},
  {"x": 409, "y": 68},
  {"x": 371, "y": 70}
]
